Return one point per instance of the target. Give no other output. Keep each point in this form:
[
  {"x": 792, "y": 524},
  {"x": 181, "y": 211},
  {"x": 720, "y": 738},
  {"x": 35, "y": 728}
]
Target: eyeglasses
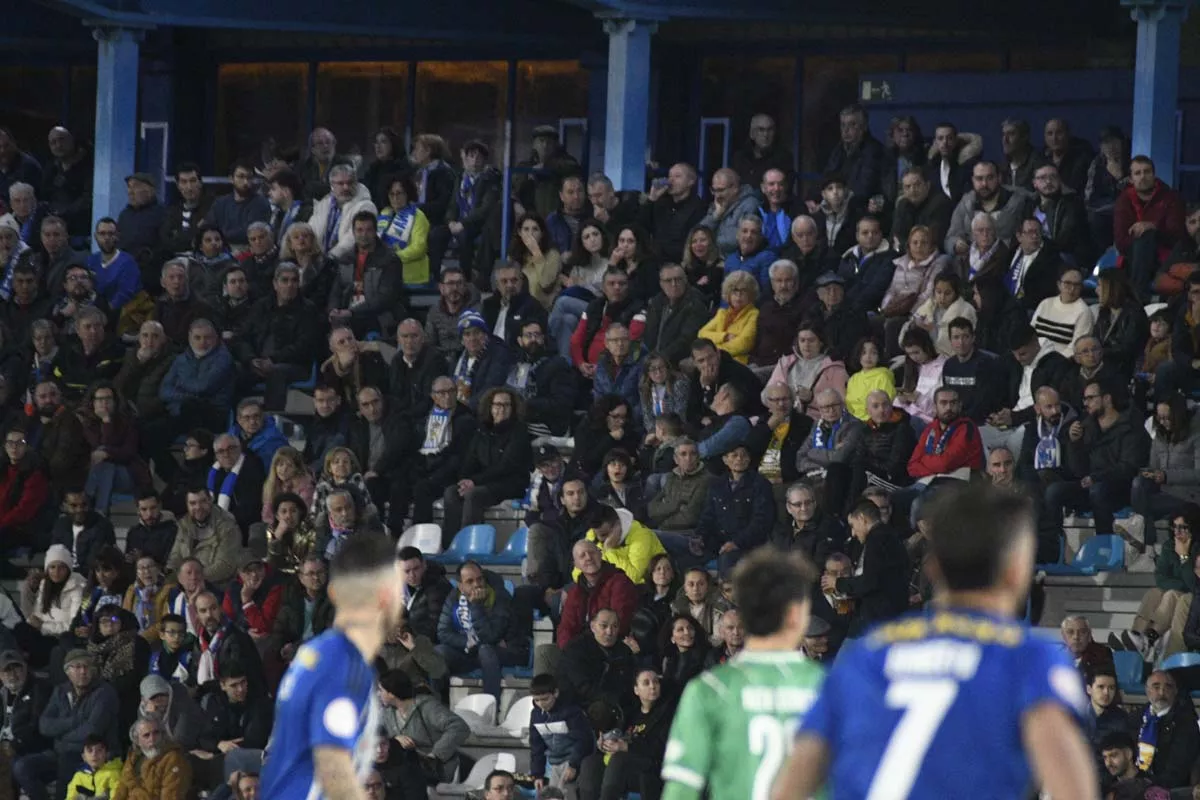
[
  {"x": 451, "y": 390},
  {"x": 14, "y": 442},
  {"x": 1181, "y": 526},
  {"x": 672, "y": 281},
  {"x": 233, "y": 448}
]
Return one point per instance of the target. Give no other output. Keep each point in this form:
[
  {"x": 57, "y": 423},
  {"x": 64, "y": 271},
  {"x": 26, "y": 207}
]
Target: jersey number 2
[
  {"x": 768, "y": 741},
  {"x": 925, "y": 704}
]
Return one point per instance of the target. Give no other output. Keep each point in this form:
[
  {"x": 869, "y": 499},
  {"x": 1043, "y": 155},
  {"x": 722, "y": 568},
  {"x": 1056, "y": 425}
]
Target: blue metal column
[
  {"x": 116, "y": 117},
  {"x": 1156, "y": 81},
  {"x": 628, "y": 102}
]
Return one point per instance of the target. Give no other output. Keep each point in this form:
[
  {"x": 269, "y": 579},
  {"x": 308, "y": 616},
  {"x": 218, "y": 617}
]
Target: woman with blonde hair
[
  {"x": 340, "y": 471},
  {"x": 287, "y": 474},
  {"x": 703, "y": 263},
  {"x": 735, "y": 327},
  {"x": 301, "y": 247}
]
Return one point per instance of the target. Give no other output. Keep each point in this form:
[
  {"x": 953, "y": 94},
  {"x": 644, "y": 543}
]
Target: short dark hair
[
  {"x": 606, "y": 515},
  {"x": 973, "y": 528},
  {"x": 94, "y": 740},
  {"x": 289, "y": 180},
  {"x": 231, "y": 669},
  {"x": 409, "y": 553},
  {"x": 1022, "y": 335},
  {"x": 176, "y": 618},
  {"x": 362, "y": 554},
  {"x": 961, "y": 324},
  {"x": 468, "y": 563},
  {"x": 241, "y": 163},
  {"x": 703, "y": 344},
  {"x": 1117, "y": 740},
  {"x": 397, "y": 682},
  {"x": 497, "y": 773},
  {"x": 147, "y": 494},
  {"x": 952, "y": 279},
  {"x": 867, "y": 510},
  {"x": 765, "y": 583},
  {"x": 544, "y": 683},
  {"x": 105, "y": 220},
  {"x": 1101, "y": 671},
  {"x": 363, "y": 216},
  {"x": 187, "y": 166},
  {"x": 949, "y": 125}
]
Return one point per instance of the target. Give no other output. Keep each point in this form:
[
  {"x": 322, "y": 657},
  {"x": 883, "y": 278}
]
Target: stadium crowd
[{"x": 662, "y": 381}]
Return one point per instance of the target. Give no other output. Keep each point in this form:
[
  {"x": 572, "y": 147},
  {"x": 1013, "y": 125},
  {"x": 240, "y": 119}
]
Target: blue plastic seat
[
  {"x": 514, "y": 552},
  {"x": 1129, "y": 671},
  {"x": 1062, "y": 556},
  {"x": 471, "y": 542},
  {"x": 1180, "y": 660},
  {"x": 1101, "y": 553}
]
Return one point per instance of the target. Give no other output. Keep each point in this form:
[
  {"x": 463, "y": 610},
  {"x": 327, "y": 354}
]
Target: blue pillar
[
  {"x": 628, "y": 102},
  {"x": 1156, "y": 81},
  {"x": 116, "y": 117}
]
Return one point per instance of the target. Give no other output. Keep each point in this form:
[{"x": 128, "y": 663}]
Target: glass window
[
  {"x": 31, "y": 103},
  {"x": 463, "y": 100},
  {"x": 256, "y": 102},
  {"x": 987, "y": 61},
  {"x": 355, "y": 100},
  {"x": 548, "y": 91},
  {"x": 739, "y": 88},
  {"x": 82, "y": 120}
]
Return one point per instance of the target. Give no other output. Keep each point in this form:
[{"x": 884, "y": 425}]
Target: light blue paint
[
  {"x": 1156, "y": 82},
  {"x": 116, "y": 117},
  {"x": 628, "y": 102}
]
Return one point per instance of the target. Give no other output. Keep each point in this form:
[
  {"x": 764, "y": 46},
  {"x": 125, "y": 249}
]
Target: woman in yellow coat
[
  {"x": 404, "y": 228},
  {"x": 540, "y": 262},
  {"x": 735, "y": 327}
]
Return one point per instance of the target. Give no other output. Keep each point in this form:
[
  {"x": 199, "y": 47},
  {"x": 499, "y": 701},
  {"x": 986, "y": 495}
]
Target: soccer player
[
  {"x": 734, "y": 723},
  {"x": 327, "y": 713},
  {"x": 958, "y": 701}
]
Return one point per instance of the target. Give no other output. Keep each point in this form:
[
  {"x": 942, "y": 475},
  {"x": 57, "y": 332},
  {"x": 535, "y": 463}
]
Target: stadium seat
[
  {"x": 1101, "y": 553},
  {"x": 1121, "y": 513},
  {"x": 516, "y": 721},
  {"x": 428, "y": 538},
  {"x": 409, "y": 537},
  {"x": 483, "y": 705},
  {"x": 1180, "y": 660},
  {"x": 1062, "y": 556},
  {"x": 475, "y": 778},
  {"x": 470, "y": 542},
  {"x": 514, "y": 552},
  {"x": 1129, "y": 671}
]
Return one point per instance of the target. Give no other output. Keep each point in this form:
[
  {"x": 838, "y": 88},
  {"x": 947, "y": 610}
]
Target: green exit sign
[{"x": 875, "y": 91}]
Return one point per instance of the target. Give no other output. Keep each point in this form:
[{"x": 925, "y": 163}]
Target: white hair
[{"x": 784, "y": 264}]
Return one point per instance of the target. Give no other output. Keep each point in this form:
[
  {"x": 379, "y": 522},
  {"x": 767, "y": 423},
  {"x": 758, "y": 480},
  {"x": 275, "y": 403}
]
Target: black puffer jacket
[
  {"x": 550, "y": 391},
  {"x": 1124, "y": 338},
  {"x": 500, "y": 457},
  {"x": 1113, "y": 455},
  {"x": 427, "y": 602},
  {"x": 26, "y": 709},
  {"x": 285, "y": 334},
  {"x": 885, "y": 449},
  {"x": 820, "y": 537}
]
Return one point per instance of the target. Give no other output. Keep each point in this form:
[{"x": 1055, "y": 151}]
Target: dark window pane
[
  {"x": 256, "y": 102},
  {"x": 549, "y": 91},
  {"x": 355, "y": 100},
  {"x": 463, "y": 100},
  {"x": 31, "y": 101}
]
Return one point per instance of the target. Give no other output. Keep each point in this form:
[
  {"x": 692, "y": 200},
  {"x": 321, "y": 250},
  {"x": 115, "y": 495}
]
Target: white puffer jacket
[{"x": 57, "y": 620}]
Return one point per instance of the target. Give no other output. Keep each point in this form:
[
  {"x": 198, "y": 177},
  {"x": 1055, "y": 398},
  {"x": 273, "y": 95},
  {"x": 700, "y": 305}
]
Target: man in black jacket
[
  {"x": 510, "y": 306},
  {"x": 411, "y": 373},
  {"x": 236, "y": 481},
  {"x": 473, "y": 217},
  {"x": 920, "y": 204},
  {"x": 779, "y": 318},
  {"x": 555, "y": 530},
  {"x": 714, "y": 369},
  {"x": 806, "y": 527},
  {"x": 234, "y": 718},
  {"x": 675, "y": 315},
  {"x": 1064, "y": 218},
  {"x": 431, "y": 453},
  {"x": 425, "y": 591},
  {"x": 280, "y": 343},
  {"x": 867, "y": 267},
  {"x": 377, "y": 438},
  {"x": 949, "y": 170},
  {"x": 368, "y": 292},
  {"x": 974, "y": 374},
  {"x": 888, "y": 440},
  {"x": 1089, "y": 366},
  {"x": 95, "y": 530},
  {"x": 1025, "y": 368},
  {"x": 183, "y": 218},
  {"x": 544, "y": 380},
  {"x": 305, "y": 610},
  {"x": 154, "y": 534},
  {"x": 1044, "y": 440},
  {"x": 674, "y": 209},
  {"x": 1176, "y": 740},
  {"x": 880, "y": 589},
  {"x": 329, "y": 426},
  {"x": 23, "y": 697},
  {"x": 844, "y": 324},
  {"x": 599, "y": 667}
]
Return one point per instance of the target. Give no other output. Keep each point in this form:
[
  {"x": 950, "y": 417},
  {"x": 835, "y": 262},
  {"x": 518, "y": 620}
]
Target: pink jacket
[{"x": 928, "y": 380}]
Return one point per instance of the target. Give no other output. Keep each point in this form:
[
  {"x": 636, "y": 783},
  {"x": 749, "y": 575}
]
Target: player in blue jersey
[
  {"x": 959, "y": 701},
  {"x": 323, "y": 744}
]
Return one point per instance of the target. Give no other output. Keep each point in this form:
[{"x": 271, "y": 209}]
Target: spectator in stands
[
  {"x": 879, "y": 584},
  {"x": 289, "y": 204},
  {"x": 912, "y": 281},
  {"x": 867, "y": 375},
  {"x": 974, "y": 374},
  {"x": 887, "y": 442},
  {"x": 368, "y": 292},
  {"x": 116, "y": 273},
  {"x": 209, "y": 534},
  {"x": 197, "y": 461},
  {"x": 174, "y": 657},
  {"x": 1020, "y": 156},
  {"x": 675, "y": 315},
  {"x": 587, "y": 260},
  {"x": 615, "y": 305},
  {"x": 28, "y": 213},
  {"x": 141, "y": 598},
  {"x": 281, "y": 341},
  {"x": 1042, "y": 457},
  {"x": 1107, "y": 177},
  {"x": 1148, "y": 220},
  {"x": 24, "y": 697},
  {"x": 752, "y": 253},
  {"x": 24, "y": 490},
  {"x": 918, "y": 205},
  {"x": 809, "y": 368},
  {"x": 333, "y": 214},
  {"x": 222, "y": 642},
  {"x": 86, "y": 705},
  {"x": 778, "y": 316},
  {"x": 289, "y": 535},
  {"x": 778, "y": 209},
  {"x": 633, "y": 253},
  {"x": 1035, "y": 263},
  {"x": 713, "y": 370},
  {"x": 762, "y": 152},
  {"x": 510, "y": 306},
  {"x": 121, "y": 655},
  {"x": 484, "y": 361},
  {"x": 1089, "y": 358},
  {"x": 837, "y": 215},
  {"x": 141, "y": 221},
  {"x": 429, "y": 454},
  {"x": 624, "y": 542},
  {"x": 305, "y": 610},
  {"x": 496, "y": 463},
  {"x": 197, "y": 388},
  {"x": 544, "y": 381},
  {"x": 236, "y": 481},
  {"x": 843, "y": 324},
  {"x": 59, "y": 434},
  {"x": 403, "y": 232},
  {"x": 1062, "y": 320},
  {"x": 27, "y": 305},
  {"x": 253, "y": 597},
  {"x": 49, "y": 601},
  {"x": 67, "y": 181},
  {"x": 674, "y": 209},
  {"x": 704, "y": 263},
  {"x": 1121, "y": 325},
  {"x": 260, "y": 259},
  {"x": 315, "y": 168},
  {"x": 948, "y": 448},
  {"x": 739, "y": 511},
  {"x": 90, "y": 357},
  {"x": 425, "y": 591},
  {"x": 377, "y": 439},
  {"x": 77, "y": 293},
  {"x": 156, "y": 766},
  {"x": 142, "y": 372},
  {"x": 330, "y": 425},
  {"x": 1106, "y": 714},
  {"x": 610, "y": 207},
  {"x": 807, "y": 527},
  {"x": 867, "y": 267},
  {"x": 1068, "y": 154},
  {"x": 987, "y": 255},
  {"x": 434, "y": 177},
  {"x": 674, "y": 511},
  {"x": 82, "y": 531},
  {"x": 112, "y": 435},
  {"x": 413, "y": 368},
  {"x": 441, "y": 322},
  {"x": 633, "y": 761},
  {"x": 478, "y": 628},
  {"x": 532, "y": 251},
  {"x": 565, "y": 216},
  {"x": 301, "y": 247},
  {"x": 597, "y": 667},
  {"x": 390, "y": 161},
  {"x": 951, "y": 163},
  {"x": 473, "y": 215},
  {"x": 55, "y": 255},
  {"x": 1086, "y": 653},
  {"x": 732, "y": 200},
  {"x": 1171, "y": 478},
  {"x": 619, "y": 369},
  {"x": 421, "y": 724},
  {"x": 600, "y": 585},
  {"x": 232, "y": 213},
  {"x": 342, "y": 471},
  {"x": 1161, "y": 609},
  {"x": 860, "y": 157},
  {"x": 352, "y": 365},
  {"x": 235, "y": 720},
  {"x": 662, "y": 390},
  {"x": 684, "y": 649},
  {"x": 560, "y": 736},
  {"x": 734, "y": 327},
  {"x": 702, "y": 600},
  {"x": 1007, "y": 207},
  {"x": 1061, "y": 213},
  {"x": 171, "y": 704},
  {"x": 1121, "y": 771},
  {"x": 731, "y": 639},
  {"x": 177, "y": 307},
  {"x": 1168, "y": 734},
  {"x": 183, "y": 218}
]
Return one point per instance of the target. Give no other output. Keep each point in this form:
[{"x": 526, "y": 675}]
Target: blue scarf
[
  {"x": 462, "y": 615},
  {"x": 396, "y": 228},
  {"x": 288, "y": 217},
  {"x": 1046, "y": 455},
  {"x": 225, "y": 496},
  {"x": 935, "y": 446},
  {"x": 821, "y": 441},
  {"x": 337, "y": 537},
  {"x": 466, "y": 196},
  {"x": 6, "y": 283},
  {"x": 143, "y": 605},
  {"x": 1147, "y": 739},
  {"x": 777, "y": 227},
  {"x": 99, "y": 598},
  {"x": 437, "y": 432},
  {"x": 332, "y": 222},
  {"x": 27, "y": 229},
  {"x": 185, "y": 658},
  {"x": 1013, "y": 275}
]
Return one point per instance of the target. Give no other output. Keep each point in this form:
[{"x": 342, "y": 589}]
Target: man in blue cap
[{"x": 485, "y": 359}]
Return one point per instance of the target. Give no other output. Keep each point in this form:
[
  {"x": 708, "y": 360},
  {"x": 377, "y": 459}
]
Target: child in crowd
[
  {"x": 946, "y": 305},
  {"x": 99, "y": 776},
  {"x": 1157, "y": 353},
  {"x": 701, "y": 600},
  {"x": 560, "y": 737},
  {"x": 658, "y": 456},
  {"x": 174, "y": 658},
  {"x": 868, "y": 375}
]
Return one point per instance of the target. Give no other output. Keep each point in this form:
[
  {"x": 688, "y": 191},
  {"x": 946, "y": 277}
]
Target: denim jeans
[
  {"x": 564, "y": 318},
  {"x": 487, "y": 658},
  {"x": 103, "y": 479}
]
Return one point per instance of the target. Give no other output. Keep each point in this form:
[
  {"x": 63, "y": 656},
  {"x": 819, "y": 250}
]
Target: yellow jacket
[
  {"x": 743, "y": 329},
  {"x": 415, "y": 257},
  {"x": 103, "y": 781},
  {"x": 633, "y": 555},
  {"x": 864, "y": 382}
]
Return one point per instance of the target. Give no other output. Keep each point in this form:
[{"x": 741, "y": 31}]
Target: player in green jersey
[{"x": 735, "y": 722}]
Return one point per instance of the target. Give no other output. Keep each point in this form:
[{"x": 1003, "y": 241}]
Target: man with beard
[
  {"x": 156, "y": 767},
  {"x": 1019, "y": 155},
  {"x": 1006, "y": 205},
  {"x": 67, "y": 181},
  {"x": 563, "y": 225},
  {"x": 949, "y": 448},
  {"x": 56, "y": 255},
  {"x": 57, "y": 434},
  {"x": 23, "y": 697},
  {"x": 1168, "y": 742},
  {"x": 328, "y": 715},
  {"x": 78, "y": 293},
  {"x": 544, "y": 380},
  {"x": 232, "y": 213},
  {"x": 511, "y": 305},
  {"x": 117, "y": 277},
  {"x": 441, "y": 323},
  {"x": 1042, "y": 458},
  {"x": 1062, "y": 215},
  {"x": 222, "y": 644},
  {"x": 208, "y": 534}
]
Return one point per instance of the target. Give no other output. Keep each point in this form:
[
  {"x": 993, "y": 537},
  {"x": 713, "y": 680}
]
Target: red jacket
[
  {"x": 29, "y": 498},
  {"x": 613, "y": 590},
  {"x": 1164, "y": 208},
  {"x": 964, "y": 449},
  {"x": 596, "y": 346},
  {"x": 261, "y": 612}
]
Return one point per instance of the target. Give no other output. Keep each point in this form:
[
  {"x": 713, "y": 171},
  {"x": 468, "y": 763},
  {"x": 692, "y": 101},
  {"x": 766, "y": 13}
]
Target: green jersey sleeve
[{"x": 688, "y": 760}]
